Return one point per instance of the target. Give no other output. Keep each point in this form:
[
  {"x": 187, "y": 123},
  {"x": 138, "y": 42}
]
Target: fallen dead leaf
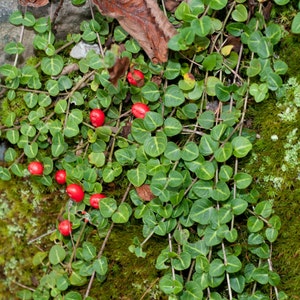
[
  {"x": 144, "y": 192},
  {"x": 144, "y": 21}
]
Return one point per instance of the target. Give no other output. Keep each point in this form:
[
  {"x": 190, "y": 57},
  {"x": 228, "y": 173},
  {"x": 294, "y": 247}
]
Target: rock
[{"x": 68, "y": 21}]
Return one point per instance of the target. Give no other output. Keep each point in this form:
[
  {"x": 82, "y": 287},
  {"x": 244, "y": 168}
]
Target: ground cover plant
[{"x": 160, "y": 148}]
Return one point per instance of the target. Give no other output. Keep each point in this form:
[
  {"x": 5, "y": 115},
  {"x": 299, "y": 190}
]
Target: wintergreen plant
[{"x": 185, "y": 153}]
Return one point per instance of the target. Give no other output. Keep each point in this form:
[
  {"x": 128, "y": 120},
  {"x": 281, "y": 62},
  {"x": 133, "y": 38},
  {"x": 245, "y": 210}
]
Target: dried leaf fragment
[
  {"x": 144, "y": 21},
  {"x": 144, "y": 192},
  {"x": 118, "y": 69},
  {"x": 34, "y": 3}
]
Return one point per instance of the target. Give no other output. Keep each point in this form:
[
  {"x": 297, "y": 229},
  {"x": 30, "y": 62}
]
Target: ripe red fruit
[
  {"x": 136, "y": 78},
  {"x": 95, "y": 199},
  {"x": 97, "y": 117},
  {"x": 65, "y": 227},
  {"x": 36, "y": 168},
  {"x": 60, "y": 176},
  {"x": 75, "y": 192},
  {"x": 139, "y": 110}
]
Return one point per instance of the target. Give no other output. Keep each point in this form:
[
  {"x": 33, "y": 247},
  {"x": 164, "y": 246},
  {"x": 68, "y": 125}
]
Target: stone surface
[{"x": 68, "y": 21}]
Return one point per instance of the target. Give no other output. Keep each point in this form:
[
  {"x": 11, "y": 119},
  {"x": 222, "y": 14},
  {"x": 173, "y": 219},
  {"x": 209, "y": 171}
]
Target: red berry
[
  {"x": 65, "y": 227},
  {"x": 75, "y": 192},
  {"x": 61, "y": 176},
  {"x": 139, "y": 110},
  {"x": 97, "y": 117},
  {"x": 95, "y": 199},
  {"x": 36, "y": 168},
  {"x": 136, "y": 78}
]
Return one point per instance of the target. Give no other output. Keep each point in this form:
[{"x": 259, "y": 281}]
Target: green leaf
[
  {"x": 182, "y": 261},
  {"x": 169, "y": 285},
  {"x": 259, "y": 91},
  {"x": 10, "y": 155},
  {"x": 132, "y": 46},
  {"x": 241, "y": 146},
  {"x": 9, "y": 71},
  {"x": 216, "y": 267},
  {"x": 138, "y": 131},
  {"x": 221, "y": 192},
  {"x": 150, "y": 91},
  {"x": 73, "y": 295},
  {"x": 14, "y": 48},
  {"x": 153, "y": 120},
  {"x": 189, "y": 151},
  {"x": 126, "y": 156},
  {"x": 233, "y": 264},
  {"x": 122, "y": 214},
  {"x": 295, "y": 23},
  {"x": 29, "y": 19},
  {"x": 52, "y": 65},
  {"x": 77, "y": 280},
  {"x": 217, "y": 4},
  {"x": 53, "y": 89},
  {"x": 156, "y": 145},
  {"x": 238, "y": 205},
  {"x": 120, "y": 34},
  {"x": 13, "y": 136},
  {"x": 205, "y": 170},
  {"x": 172, "y": 126},
  {"x": 202, "y": 211},
  {"x": 240, "y": 13},
  {"x": 137, "y": 176},
  {"x": 225, "y": 172},
  {"x": 207, "y": 119},
  {"x": 260, "y": 45},
  {"x": 271, "y": 234},
  {"x": 31, "y": 150},
  {"x": 211, "y": 84},
  {"x": 57, "y": 254},
  {"x": 237, "y": 283},
  {"x": 211, "y": 237},
  {"x": 172, "y": 151},
  {"x": 207, "y": 145},
  {"x": 193, "y": 291},
  {"x": 4, "y": 174},
  {"x": 42, "y": 25},
  {"x": 254, "y": 68},
  {"x": 264, "y": 209},
  {"x": 172, "y": 69},
  {"x": 107, "y": 207},
  {"x": 242, "y": 180},
  {"x": 202, "y": 26},
  {"x": 71, "y": 128},
  {"x": 254, "y": 224},
  {"x": 16, "y": 18},
  {"x": 173, "y": 96},
  {"x": 100, "y": 266}
]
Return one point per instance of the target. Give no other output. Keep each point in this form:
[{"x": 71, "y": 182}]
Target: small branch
[
  {"x": 24, "y": 286},
  {"x": 41, "y": 236},
  {"x": 171, "y": 249}
]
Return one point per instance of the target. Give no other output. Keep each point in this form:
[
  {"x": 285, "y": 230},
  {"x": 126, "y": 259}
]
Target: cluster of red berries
[{"x": 97, "y": 119}]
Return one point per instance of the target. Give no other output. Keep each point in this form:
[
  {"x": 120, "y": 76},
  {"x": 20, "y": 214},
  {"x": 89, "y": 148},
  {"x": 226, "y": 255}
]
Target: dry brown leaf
[
  {"x": 34, "y": 3},
  {"x": 118, "y": 69},
  {"x": 144, "y": 192},
  {"x": 144, "y": 21},
  {"x": 171, "y": 5}
]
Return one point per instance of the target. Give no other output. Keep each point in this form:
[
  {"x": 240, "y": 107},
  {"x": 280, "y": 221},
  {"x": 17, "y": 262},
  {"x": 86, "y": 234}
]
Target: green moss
[
  {"x": 289, "y": 53},
  {"x": 276, "y": 168},
  {"x": 130, "y": 277},
  {"x": 21, "y": 220}
]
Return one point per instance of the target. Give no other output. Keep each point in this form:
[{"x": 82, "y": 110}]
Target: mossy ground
[
  {"x": 275, "y": 168},
  {"x": 28, "y": 212}
]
